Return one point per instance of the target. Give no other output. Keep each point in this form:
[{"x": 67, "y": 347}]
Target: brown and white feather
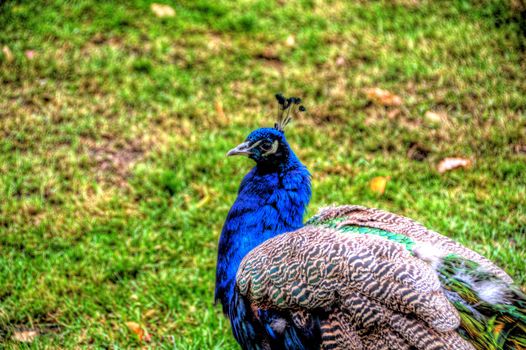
[{"x": 375, "y": 290}]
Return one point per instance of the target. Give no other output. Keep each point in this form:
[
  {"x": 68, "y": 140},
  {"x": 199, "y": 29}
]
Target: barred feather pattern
[
  {"x": 376, "y": 218},
  {"x": 357, "y": 266}
]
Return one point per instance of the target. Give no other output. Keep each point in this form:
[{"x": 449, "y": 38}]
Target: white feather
[
  {"x": 278, "y": 325},
  {"x": 429, "y": 253},
  {"x": 492, "y": 292}
]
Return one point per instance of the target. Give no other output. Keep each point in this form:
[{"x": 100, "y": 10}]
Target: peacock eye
[{"x": 266, "y": 146}]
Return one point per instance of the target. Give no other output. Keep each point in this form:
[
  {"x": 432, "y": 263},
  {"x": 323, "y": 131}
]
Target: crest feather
[{"x": 287, "y": 108}]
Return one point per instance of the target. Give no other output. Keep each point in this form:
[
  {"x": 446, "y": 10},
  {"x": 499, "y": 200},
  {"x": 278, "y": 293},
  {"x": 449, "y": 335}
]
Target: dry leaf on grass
[
  {"x": 204, "y": 201},
  {"x": 150, "y": 313},
  {"x": 7, "y": 53},
  {"x": 448, "y": 164},
  {"x": 25, "y": 336},
  {"x": 223, "y": 119},
  {"x": 378, "y": 184},
  {"x": 161, "y": 10},
  {"x": 141, "y": 333},
  {"x": 435, "y": 118},
  {"x": 383, "y": 97},
  {"x": 291, "y": 41}
]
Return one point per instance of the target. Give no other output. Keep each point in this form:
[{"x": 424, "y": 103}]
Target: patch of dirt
[
  {"x": 29, "y": 330},
  {"x": 323, "y": 115},
  {"x": 100, "y": 41},
  {"x": 406, "y": 3},
  {"x": 398, "y": 117},
  {"x": 417, "y": 152},
  {"x": 218, "y": 42},
  {"x": 112, "y": 159},
  {"x": 519, "y": 149},
  {"x": 270, "y": 58},
  {"x": 339, "y": 169}
]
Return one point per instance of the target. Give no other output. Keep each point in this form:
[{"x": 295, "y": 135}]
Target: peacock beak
[{"x": 242, "y": 149}]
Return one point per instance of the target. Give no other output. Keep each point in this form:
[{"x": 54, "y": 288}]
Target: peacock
[{"x": 350, "y": 277}]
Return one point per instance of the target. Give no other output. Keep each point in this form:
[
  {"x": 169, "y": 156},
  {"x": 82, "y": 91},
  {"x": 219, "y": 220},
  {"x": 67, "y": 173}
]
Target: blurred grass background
[{"x": 114, "y": 124}]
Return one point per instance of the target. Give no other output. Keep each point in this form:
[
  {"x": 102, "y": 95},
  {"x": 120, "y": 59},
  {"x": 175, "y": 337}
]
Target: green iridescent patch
[
  {"x": 486, "y": 325},
  {"x": 334, "y": 223}
]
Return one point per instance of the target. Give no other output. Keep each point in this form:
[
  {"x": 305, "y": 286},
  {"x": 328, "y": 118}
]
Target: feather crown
[{"x": 287, "y": 108}]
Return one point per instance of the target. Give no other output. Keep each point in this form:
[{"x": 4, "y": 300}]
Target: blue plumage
[{"x": 271, "y": 200}]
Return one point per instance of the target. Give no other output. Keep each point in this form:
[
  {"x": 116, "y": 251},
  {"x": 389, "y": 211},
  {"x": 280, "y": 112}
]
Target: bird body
[
  {"x": 271, "y": 200},
  {"x": 350, "y": 277}
]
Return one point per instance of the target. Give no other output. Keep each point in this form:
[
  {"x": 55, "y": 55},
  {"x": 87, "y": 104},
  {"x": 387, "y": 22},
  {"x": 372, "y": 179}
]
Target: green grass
[{"x": 113, "y": 179}]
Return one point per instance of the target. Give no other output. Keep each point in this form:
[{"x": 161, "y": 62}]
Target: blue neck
[{"x": 271, "y": 200}]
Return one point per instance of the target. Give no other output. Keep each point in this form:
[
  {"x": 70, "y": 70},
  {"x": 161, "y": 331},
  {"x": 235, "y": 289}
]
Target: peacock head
[{"x": 268, "y": 145}]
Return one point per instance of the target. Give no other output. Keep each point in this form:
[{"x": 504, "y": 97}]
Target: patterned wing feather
[
  {"x": 376, "y": 285},
  {"x": 410, "y": 230},
  {"x": 368, "y": 280}
]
